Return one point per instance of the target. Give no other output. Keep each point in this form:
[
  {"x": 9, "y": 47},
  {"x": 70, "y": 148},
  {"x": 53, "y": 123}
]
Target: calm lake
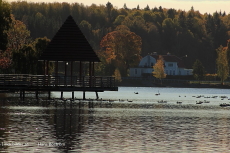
[{"x": 143, "y": 125}]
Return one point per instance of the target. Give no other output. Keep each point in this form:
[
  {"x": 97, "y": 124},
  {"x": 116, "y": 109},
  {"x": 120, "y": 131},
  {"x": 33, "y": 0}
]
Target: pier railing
[{"x": 49, "y": 80}]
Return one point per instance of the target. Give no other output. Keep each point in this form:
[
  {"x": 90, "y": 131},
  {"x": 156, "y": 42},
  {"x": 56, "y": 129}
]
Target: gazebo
[{"x": 69, "y": 45}]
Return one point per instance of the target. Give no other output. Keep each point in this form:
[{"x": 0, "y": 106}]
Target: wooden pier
[{"x": 25, "y": 82}]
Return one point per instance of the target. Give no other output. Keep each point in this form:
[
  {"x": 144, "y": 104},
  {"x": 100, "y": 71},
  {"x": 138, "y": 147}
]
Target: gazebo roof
[{"x": 69, "y": 44}]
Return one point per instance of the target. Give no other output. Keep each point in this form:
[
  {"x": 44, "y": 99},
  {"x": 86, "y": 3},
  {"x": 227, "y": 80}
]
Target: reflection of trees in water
[
  {"x": 4, "y": 121},
  {"x": 70, "y": 122}
]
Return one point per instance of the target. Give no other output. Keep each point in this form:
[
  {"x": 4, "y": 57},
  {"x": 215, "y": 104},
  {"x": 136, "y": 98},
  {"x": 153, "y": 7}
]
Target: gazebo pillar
[
  {"x": 93, "y": 70},
  {"x": 44, "y": 68},
  {"x": 48, "y": 79},
  {"x": 47, "y": 67},
  {"x": 56, "y": 73},
  {"x": 90, "y": 74},
  {"x": 66, "y": 63},
  {"x": 71, "y": 75},
  {"x": 80, "y": 73}
]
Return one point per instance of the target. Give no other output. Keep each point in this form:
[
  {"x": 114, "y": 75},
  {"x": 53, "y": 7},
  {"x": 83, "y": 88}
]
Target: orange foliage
[
  {"x": 121, "y": 45},
  {"x": 5, "y": 59}
]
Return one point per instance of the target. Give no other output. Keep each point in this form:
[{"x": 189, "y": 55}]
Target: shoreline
[{"x": 148, "y": 83}]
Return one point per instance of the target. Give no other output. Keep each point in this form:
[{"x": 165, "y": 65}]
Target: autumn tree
[
  {"x": 121, "y": 48},
  {"x": 228, "y": 51},
  {"x": 18, "y": 34},
  {"x": 198, "y": 70},
  {"x": 5, "y": 60},
  {"x": 158, "y": 68},
  {"x": 222, "y": 64},
  {"x": 5, "y": 20},
  {"x": 117, "y": 75}
]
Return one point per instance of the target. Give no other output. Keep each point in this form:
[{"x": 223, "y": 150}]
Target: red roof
[{"x": 171, "y": 58}]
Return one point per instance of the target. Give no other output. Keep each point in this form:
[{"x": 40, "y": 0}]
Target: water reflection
[{"x": 114, "y": 127}]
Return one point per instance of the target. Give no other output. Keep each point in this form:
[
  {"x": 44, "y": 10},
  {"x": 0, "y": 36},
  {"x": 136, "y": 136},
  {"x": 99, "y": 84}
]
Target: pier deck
[{"x": 26, "y": 82}]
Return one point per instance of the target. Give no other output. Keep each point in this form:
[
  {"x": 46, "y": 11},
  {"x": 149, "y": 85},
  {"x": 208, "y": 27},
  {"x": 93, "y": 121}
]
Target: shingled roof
[
  {"x": 171, "y": 58},
  {"x": 69, "y": 44}
]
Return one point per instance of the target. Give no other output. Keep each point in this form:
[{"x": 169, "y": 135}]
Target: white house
[{"x": 173, "y": 66}]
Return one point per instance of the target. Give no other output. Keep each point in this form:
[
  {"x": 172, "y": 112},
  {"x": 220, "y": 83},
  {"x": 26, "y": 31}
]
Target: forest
[{"x": 147, "y": 30}]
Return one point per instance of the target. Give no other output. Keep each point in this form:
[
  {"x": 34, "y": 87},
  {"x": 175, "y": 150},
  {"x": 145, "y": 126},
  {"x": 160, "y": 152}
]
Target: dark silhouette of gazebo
[{"x": 70, "y": 45}]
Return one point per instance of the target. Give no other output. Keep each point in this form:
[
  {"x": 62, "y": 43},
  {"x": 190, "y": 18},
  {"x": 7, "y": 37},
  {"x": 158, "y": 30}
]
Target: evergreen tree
[
  {"x": 125, "y": 7},
  {"x": 198, "y": 70},
  {"x": 109, "y": 7},
  {"x": 147, "y": 8},
  {"x": 182, "y": 19},
  {"x": 160, "y": 9}
]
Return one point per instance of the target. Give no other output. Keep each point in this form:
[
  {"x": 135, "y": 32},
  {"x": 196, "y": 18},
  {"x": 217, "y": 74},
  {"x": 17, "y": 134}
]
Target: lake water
[{"x": 143, "y": 125}]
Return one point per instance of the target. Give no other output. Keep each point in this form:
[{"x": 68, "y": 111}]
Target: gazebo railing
[{"x": 49, "y": 80}]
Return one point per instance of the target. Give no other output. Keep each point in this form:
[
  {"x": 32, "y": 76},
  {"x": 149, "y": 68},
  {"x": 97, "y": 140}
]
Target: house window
[
  {"x": 166, "y": 71},
  {"x": 135, "y": 71},
  {"x": 179, "y": 73},
  {"x": 151, "y": 64},
  {"x": 173, "y": 72},
  {"x": 170, "y": 65}
]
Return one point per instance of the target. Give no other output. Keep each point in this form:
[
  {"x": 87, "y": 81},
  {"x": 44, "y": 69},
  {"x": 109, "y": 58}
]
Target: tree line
[{"x": 154, "y": 29}]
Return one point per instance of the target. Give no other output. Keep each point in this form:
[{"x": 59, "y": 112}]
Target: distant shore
[{"x": 150, "y": 83}]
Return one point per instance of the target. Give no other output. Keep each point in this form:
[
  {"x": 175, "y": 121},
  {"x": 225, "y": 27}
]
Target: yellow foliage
[{"x": 159, "y": 69}]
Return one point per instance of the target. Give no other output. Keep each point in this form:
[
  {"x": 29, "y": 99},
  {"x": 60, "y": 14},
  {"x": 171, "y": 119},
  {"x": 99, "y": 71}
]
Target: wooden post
[
  {"x": 80, "y": 72},
  {"x": 65, "y": 72},
  {"x": 90, "y": 74},
  {"x": 36, "y": 94},
  {"x": 23, "y": 96},
  {"x": 83, "y": 95},
  {"x": 71, "y": 73},
  {"x": 61, "y": 94},
  {"x": 47, "y": 67},
  {"x": 49, "y": 94},
  {"x": 72, "y": 94},
  {"x": 94, "y": 80},
  {"x": 93, "y": 70},
  {"x": 56, "y": 73},
  {"x": 44, "y": 63},
  {"x": 97, "y": 97},
  {"x": 48, "y": 80},
  {"x": 20, "y": 94}
]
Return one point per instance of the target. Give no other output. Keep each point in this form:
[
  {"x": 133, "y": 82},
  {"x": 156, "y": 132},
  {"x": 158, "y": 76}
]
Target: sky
[{"x": 204, "y": 6}]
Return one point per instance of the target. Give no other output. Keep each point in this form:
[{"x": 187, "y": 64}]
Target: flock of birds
[
  {"x": 200, "y": 102},
  {"x": 127, "y": 100},
  {"x": 197, "y": 102}
]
